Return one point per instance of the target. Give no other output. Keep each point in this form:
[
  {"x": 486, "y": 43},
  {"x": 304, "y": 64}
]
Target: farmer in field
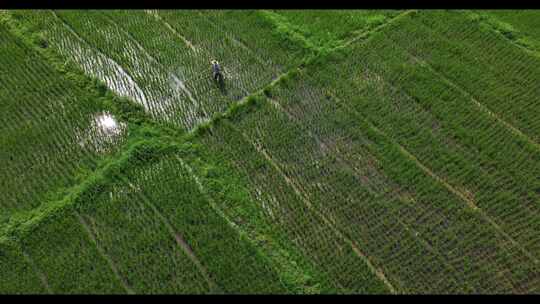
[{"x": 216, "y": 71}]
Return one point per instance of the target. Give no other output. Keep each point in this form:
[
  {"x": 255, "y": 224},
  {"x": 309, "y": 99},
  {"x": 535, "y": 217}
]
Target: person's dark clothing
[
  {"x": 216, "y": 68},
  {"x": 216, "y": 71}
]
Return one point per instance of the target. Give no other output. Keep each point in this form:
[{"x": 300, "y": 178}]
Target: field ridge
[
  {"x": 506, "y": 30},
  {"x": 149, "y": 139}
]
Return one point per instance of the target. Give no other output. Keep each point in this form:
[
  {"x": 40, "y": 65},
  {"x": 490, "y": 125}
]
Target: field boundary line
[
  {"x": 249, "y": 235},
  {"x": 378, "y": 272},
  {"x": 180, "y": 241},
  {"x": 99, "y": 52},
  {"x": 168, "y": 26},
  {"x": 40, "y": 274},
  {"x": 284, "y": 27},
  {"x": 32, "y": 219},
  {"x": 467, "y": 94},
  {"x": 393, "y": 193},
  {"x": 494, "y": 24},
  {"x": 103, "y": 254},
  {"x": 241, "y": 44},
  {"x": 231, "y": 109},
  {"x": 479, "y": 105},
  {"x": 366, "y": 34},
  {"x": 469, "y": 202}
]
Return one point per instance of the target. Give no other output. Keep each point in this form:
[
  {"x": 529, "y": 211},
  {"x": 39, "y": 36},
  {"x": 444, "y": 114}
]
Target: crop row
[
  {"x": 447, "y": 132},
  {"x": 51, "y": 128},
  {"x": 334, "y": 27},
  {"x": 161, "y": 58},
  {"x": 339, "y": 189},
  {"x": 418, "y": 224},
  {"x": 498, "y": 74},
  {"x": 148, "y": 231},
  {"x": 459, "y": 243},
  {"x": 288, "y": 212}
]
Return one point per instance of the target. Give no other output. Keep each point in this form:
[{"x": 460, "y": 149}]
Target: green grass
[
  {"x": 330, "y": 28},
  {"x": 403, "y": 162},
  {"x": 319, "y": 140},
  {"x": 522, "y": 26},
  {"x": 168, "y": 76},
  {"x": 18, "y": 275},
  {"x": 49, "y": 132}
]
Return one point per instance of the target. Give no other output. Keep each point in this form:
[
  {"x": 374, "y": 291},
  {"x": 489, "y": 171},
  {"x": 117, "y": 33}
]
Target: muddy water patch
[
  {"x": 103, "y": 134},
  {"x": 98, "y": 65}
]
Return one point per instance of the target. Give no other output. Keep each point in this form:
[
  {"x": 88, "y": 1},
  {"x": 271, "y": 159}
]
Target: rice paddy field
[{"x": 347, "y": 152}]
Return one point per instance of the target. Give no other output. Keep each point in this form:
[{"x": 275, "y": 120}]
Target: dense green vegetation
[
  {"x": 350, "y": 152},
  {"x": 522, "y": 26},
  {"x": 52, "y": 129},
  {"x": 331, "y": 28},
  {"x": 122, "y": 48}
]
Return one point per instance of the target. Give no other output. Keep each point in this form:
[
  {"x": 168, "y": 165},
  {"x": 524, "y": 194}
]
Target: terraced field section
[
  {"x": 52, "y": 130},
  {"x": 436, "y": 190},
  {"x": 393, "y": 152},
  {"x": 149, "y": 231},
  {"x": 161, "y": 58},
  {"x": 328, "y": 28},
  {"x": 521, "y": 26}
]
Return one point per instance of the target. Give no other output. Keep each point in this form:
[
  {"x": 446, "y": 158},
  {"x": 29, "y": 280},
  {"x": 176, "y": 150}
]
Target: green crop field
[{"x": 346, "y": 152}]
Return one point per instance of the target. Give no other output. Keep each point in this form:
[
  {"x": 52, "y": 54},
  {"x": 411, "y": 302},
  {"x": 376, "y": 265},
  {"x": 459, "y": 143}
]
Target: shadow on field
[{"x": 221, "y": 86}]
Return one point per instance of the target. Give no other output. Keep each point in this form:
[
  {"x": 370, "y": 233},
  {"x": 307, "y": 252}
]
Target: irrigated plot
[
  {"x": 279, "y": 199},
  {"x": 404, "y": 161},
  {"x": 355, "y": 138},
  {"x": 389, "y": 224},
  {"x": 50, "y": 129},
  {"x": 161, "y": 59},
  {"x": 485, "y": 161}
]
